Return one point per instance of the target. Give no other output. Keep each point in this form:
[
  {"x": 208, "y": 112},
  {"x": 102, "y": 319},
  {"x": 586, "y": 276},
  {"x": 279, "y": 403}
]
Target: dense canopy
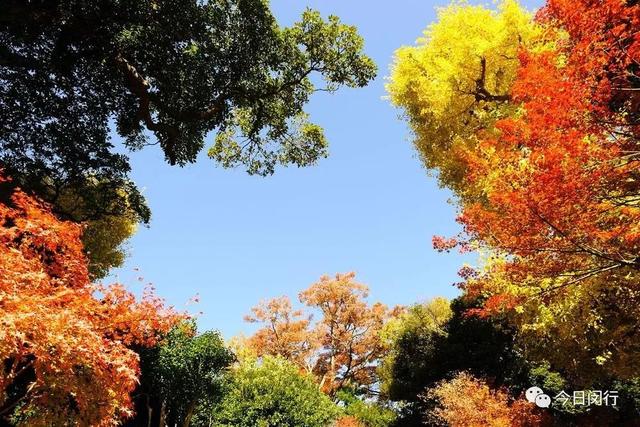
[
  {"x": 549, "y": 185},
  {"x": 161, "y": 72},
  {"x": 65, "y": 343},
  {"x": 530, "y": 120}
]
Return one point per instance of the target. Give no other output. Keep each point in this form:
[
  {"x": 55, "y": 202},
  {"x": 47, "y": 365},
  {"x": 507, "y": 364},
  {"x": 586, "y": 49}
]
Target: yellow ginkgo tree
[{"x": 457, "y": 80}]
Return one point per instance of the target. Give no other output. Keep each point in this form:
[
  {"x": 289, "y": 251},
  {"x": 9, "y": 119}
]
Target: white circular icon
[
  {"x": 543, "y": 401},
  {"x": 532, "y": 393}
]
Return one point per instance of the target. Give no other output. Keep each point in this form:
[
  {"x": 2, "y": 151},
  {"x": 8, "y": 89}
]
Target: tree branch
[
  {"x": 139, "y": 86},
  {"x": 481, "y": 93}
]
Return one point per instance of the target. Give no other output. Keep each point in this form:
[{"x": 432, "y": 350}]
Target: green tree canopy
[
  {"x": 412, "y": 339},
  {"x": 165, "y": 72},
  {"x": 271, "y": 392},
  {"x": 435, "y": 340},
  {"x": 369, "y": 412},
  {"x": 181, "y": 373}
]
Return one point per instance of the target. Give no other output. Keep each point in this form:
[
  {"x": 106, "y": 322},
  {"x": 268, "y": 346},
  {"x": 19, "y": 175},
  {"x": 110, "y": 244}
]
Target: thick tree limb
[
  {"x": 481, "y": 93},
  {"x": 139, "y": 86}
]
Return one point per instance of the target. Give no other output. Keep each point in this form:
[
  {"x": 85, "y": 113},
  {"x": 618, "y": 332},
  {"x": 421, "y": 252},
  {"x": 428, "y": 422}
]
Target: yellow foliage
[
  {"x": 586, "y": 326},
  {"x": 431, "y": 315},
  {"x": 103, "y": 237},
  {"x": 457, "y": 80},
  {"x": 103, "y": 241},
  {"x": 241, "y": 347}
]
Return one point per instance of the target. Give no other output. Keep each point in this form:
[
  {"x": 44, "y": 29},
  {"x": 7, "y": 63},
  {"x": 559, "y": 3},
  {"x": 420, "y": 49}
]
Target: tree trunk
[
  {"x": 190, "y": 410},
  {"x": 149, "y": 410},
  {"x": 162, "y": 422}
]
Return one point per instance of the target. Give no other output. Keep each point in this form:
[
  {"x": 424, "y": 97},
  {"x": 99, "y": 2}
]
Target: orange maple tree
[
  {"x": 561, "y": 181},
  {"x": 65, "y": 343},
  {"x": 341, "y": 347}
]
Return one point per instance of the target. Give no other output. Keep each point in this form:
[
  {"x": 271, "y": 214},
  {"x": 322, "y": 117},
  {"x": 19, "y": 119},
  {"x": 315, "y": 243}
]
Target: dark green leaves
[
  {"x": 185, "y": 371},
  {"x": 166, "y": 71}
]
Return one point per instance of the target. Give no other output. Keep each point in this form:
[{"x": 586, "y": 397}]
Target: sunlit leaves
[
  {"x": 466, "y": 401},
  {"x": 64, "y": 342},
  {"x": 458, "y": 79},
  {"x": 272, "y": 393},
  {"x": 547, "y": 176},
  {"x": 341, "y": 347}
]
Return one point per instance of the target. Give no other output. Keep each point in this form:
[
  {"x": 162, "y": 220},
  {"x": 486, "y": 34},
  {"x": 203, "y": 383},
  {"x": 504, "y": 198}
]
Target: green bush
[{"x": 271, "y": 392}]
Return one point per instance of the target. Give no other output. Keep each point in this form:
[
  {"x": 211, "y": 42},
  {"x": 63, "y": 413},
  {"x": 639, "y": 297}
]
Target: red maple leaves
[{"x": 65, "y": 343}]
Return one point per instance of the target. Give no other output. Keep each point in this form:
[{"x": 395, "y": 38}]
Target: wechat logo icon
[{"x": 537, "y": 396}]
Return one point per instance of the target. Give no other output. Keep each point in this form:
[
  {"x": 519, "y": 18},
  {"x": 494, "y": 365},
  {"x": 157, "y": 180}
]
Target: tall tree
[
  {"x": 349, "y": 332},
  {"x": 286, "y": 332},
  {"x": 181, "y": 375},
  {"x": 64, "y": 343},
  {"x": 173, "y": 69},
  {"x": 342, "y": 347},
  {"x": 458, "y": 80},
  {"x": 561, "y": 200},
  {"x": 551, "y": 187}
]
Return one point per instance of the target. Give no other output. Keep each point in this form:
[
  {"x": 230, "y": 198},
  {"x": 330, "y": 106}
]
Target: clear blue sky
[{"x": 370, "y": 207}]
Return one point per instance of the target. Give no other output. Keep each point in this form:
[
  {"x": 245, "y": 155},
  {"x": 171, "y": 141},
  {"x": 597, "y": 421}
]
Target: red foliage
[
  {"x": 604, "y": 47},
  {"x": 65, "y": 342},
  {"x": 561, "y": 181},
  {"x": 443, "y": 244}
]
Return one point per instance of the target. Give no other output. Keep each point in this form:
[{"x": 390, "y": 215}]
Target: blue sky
[{"x": 370, "y": 207}]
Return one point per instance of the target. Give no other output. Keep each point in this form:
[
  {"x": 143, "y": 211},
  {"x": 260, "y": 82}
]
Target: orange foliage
[
  {"x": 349, "y": 331},
  {"x": 347, "y": 422},
  {"x": 466, "y": 401},
  {"x": 341, "y": 347},
  {"x": 64, "y": 341},
  {"x": 561, "y": 180},
  {"x": 286, "y": 332}
]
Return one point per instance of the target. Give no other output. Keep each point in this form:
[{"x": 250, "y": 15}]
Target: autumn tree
[
  {"x": 347, "y": 421},
  {"x": 432, "y": 341},
  {"x": 554, "y": 186},
  {"x": 341, "y": 347},
  {"x": 286, "y": 332},
  {"x": 65, "y": 343},
  {"x": 561, "y": 200},
  {"x": 107, "y": 223},
  {"x": 349, "y": 332},
  {"x": 458, "y": 79},
  {"x": 427, "y": 348}
]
